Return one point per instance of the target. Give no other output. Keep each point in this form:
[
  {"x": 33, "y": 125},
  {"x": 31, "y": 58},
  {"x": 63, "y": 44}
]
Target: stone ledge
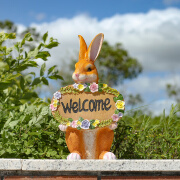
[{"x": 92, "y": 167}]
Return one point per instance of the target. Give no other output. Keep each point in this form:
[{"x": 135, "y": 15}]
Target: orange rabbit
[{"x": 87, "y": 143}]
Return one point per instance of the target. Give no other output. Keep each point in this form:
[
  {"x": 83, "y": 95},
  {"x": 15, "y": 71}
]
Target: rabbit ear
[
  {"x": 83, "y": 48},
  {"x": 95, "y": 47}
]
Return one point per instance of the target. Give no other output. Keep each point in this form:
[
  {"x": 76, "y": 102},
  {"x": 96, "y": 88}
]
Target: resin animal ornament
[
  {"x": 96, "y": 143},
  {"x": 88, "y": 111}
]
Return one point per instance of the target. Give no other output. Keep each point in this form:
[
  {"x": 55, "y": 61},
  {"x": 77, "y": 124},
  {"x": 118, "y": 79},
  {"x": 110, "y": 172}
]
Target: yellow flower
[
  {"x": 96, "y": 122},
  {"x": 55, "y": 102},
  {"x": 79, "y": 123},
  {"x": 55, "y": 105},
  {"x": 80, "y": 87},
  {"x": 105, "y": 85},
  {"x": 68, "y": 124},
  {"x": 120, "y": 104}
]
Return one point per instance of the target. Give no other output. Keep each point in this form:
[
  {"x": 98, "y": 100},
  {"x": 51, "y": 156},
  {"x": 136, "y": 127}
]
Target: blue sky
[
  {"x": 148, "y": 29},
  {"x": 25, "y": 12}
]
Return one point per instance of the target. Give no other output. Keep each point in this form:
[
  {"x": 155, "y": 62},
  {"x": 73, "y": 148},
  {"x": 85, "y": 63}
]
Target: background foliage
[{"x": 27, "y": 128}]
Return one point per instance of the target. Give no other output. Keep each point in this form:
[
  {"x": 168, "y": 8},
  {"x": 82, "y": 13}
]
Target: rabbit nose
[{"x": 77, "y": 75}]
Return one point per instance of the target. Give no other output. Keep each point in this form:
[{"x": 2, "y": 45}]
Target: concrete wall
[{"x": 26, "y": 169}]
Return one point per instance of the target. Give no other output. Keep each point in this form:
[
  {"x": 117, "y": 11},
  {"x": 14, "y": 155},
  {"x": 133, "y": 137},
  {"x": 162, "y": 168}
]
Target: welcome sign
[{"x": 74, "y": 104}]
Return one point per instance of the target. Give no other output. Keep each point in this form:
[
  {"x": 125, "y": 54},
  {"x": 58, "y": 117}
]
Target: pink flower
[
  {"x": 94, "y": 87},
  {"x": 52, "y": 107},
  {"x": 74, "y": 124},
  {"x": 115, "y": 117},
  {"x": 62, "y": 127},
  {"x": 113, "y": 126}
]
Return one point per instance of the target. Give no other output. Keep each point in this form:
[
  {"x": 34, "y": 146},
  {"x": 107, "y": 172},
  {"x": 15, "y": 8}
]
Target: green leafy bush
[
  {"x": 144, "y": 137},
  {"x": 32, "y": 132},
  {"x": 27, "y": 128}
]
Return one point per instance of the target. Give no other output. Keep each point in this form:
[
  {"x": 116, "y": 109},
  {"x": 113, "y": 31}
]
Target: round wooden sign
[{"x": 87, "y": 106}]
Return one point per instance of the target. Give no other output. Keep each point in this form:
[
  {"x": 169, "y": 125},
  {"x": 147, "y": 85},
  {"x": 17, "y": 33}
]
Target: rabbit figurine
[{"x": 87, "y": 143}]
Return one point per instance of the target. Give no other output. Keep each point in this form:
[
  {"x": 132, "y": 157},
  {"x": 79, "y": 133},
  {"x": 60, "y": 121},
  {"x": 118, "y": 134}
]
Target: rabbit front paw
[
  {"x": 73, "y": 156},
  {"x": 109, "y": 156},
  {"x": 62, "y": 127}
]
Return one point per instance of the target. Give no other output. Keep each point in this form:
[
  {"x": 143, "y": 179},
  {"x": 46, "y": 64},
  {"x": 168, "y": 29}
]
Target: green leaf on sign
[
  {"x": 117, "y": 111},
  {"x": 120, "y": 97},
  {"x": 81, "y": 119},
  {"x": 79, "y": 128},
  {"x": 70, "y": 119},
  {"x": 115, "y": 99}
]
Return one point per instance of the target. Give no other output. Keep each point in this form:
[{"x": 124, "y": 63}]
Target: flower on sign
[
  {"x": 75, "y": 85},
  {"x": 113, "y": 126},
  {"x": 74, "y": 124},
  {"x": 105, "y": 85},
  {"x": 85, "y": 86},
  {"x": 68, "y": 124},
  {"x": 81, "y": 87},
  {"x": 57, "y": 95},
  {"x": 52, "y": 107},
  {"x": 96, "y": 122},
  {"x": 55, "y": 101},
  {"x": 115, "y": 117},
  {"x": 93, "y": 87},
  {"x": 85, "y": 124},
  {"x": 120, "y": 114},
  {"x": 79, "y": 123},
  {"x": 120, "y": 104}
]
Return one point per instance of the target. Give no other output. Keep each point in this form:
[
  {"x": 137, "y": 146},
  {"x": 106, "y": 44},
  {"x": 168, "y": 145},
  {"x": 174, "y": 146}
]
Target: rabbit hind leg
[
  {"x": 104, "y": 141},
  {"x": 74, "y": 141}
]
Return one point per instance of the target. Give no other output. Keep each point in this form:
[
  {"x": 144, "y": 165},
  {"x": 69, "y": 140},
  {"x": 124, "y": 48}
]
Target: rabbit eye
[{"x": 89, "y": 69}]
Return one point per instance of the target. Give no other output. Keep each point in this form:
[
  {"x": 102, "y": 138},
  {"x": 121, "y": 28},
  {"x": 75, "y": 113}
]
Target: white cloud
[
  {"x": 37, "y": 16},
  {"x": 40, "y": 16},
  {"x": 153, "y": 38}
]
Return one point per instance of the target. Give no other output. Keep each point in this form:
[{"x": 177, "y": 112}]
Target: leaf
[
  {"x": 36, "y": 81},
  {"x": 4, "y": 85},
  {"x": 70, "y": 119},
  {"x": 51, "y": 69},
  {"x": 87, "y": 89},
  {"x": 91, "y": 127},
  {"x": 34, "y": 53},
  {"x": 115, "y": 99},
  {"x": 51, "y": 45},
  {"x": 43, "y": 55},
  {"x": 10, "y": 35},
  {"x": 43, "y": 68},
  {"x": 45, "y": 36},
  {"x": 55, "y": 77},
  {"x": 45, "y": 81},
  {"x": 44, "y": 111},
  {"x": 29, "y": 95},
  {"x": 117, "y": 111},
  {"x": 13, "y": 123},
  {"x": 81, "y": 119},
  {"x": 22, "y": 83},
  {"x": 120, "y": 97}
]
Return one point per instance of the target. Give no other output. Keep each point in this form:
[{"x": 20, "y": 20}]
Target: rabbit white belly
[{"x": 89, "y": 137}]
